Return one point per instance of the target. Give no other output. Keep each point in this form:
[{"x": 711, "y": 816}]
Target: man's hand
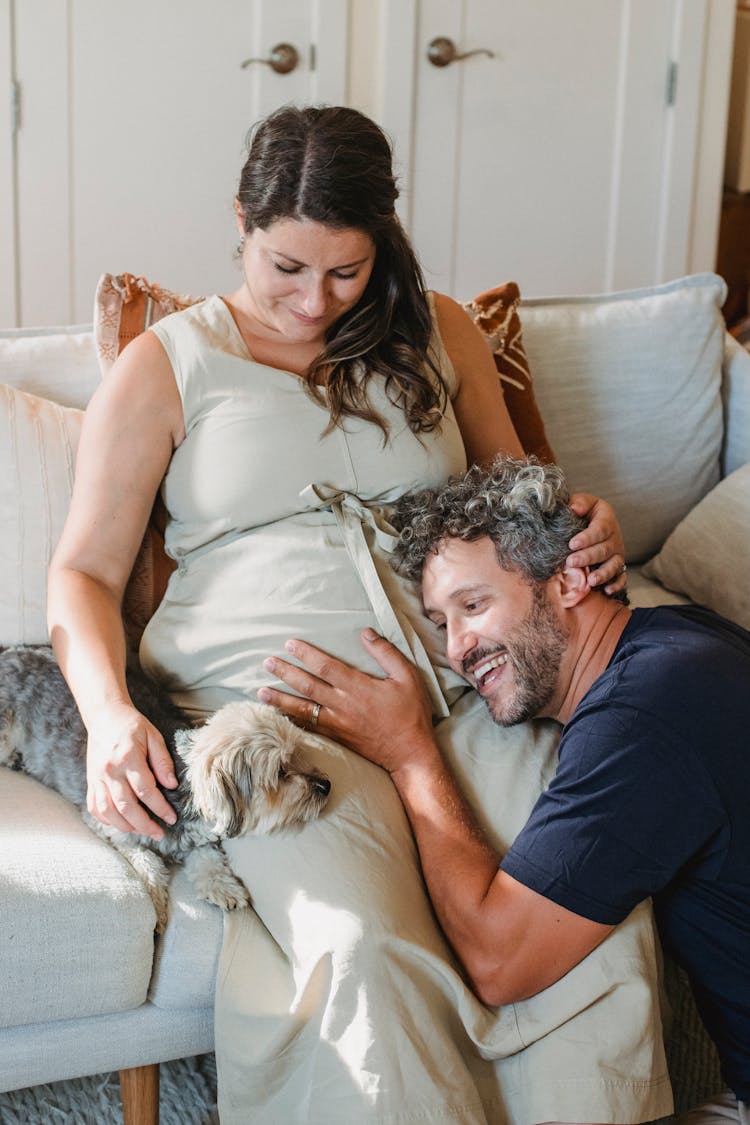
[{"x": 386, "y": 720}]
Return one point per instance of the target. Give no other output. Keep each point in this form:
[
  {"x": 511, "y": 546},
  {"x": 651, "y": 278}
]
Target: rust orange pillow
[
  {"x": 495, "y": 314},
  {"x": 125, "y": 305}
]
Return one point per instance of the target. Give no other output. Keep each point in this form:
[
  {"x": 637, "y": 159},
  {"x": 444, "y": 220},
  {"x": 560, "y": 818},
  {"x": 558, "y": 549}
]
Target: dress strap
[{"x": 357, "y": 522}]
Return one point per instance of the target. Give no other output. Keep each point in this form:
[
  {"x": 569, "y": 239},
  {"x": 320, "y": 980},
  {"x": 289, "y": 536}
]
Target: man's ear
[{"x": 572, "y": 585}]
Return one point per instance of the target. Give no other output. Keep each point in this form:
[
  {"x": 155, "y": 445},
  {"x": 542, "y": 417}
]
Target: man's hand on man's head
[{"x": 386, "y": 720}]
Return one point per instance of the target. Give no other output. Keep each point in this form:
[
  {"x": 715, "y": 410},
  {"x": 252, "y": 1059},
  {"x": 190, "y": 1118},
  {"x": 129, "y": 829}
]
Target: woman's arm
[
  {"x": 487, "y": 430},
  {"x": 132, "y": 425},
  {"x": 478, "y": 403}
]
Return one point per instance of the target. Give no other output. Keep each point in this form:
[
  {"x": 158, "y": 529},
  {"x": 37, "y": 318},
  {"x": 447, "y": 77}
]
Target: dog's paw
[
  {"x": 228, "y": 894},
  {"x": 214, "y": 879}
]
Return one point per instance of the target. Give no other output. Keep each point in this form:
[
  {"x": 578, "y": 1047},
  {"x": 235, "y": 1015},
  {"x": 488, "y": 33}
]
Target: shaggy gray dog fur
[{"x": 245, "y": 770}]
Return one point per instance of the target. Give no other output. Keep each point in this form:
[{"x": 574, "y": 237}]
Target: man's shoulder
[
  {"x": 679, "y": 641},
  {"x": 678, "y": 672},
  {"x": 664, "y": 621}
]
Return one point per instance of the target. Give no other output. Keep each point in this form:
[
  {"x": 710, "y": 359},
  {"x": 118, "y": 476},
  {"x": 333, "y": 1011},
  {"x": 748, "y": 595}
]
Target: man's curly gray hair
[{"x": 521, "y": 505}]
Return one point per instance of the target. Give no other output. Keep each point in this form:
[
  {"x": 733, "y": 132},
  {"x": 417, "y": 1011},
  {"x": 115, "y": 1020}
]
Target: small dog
[{"x": 245, "y": 770}]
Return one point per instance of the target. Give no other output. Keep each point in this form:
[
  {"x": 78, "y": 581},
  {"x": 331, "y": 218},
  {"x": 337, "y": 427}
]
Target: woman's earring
[{"x": 241, "y": 244}]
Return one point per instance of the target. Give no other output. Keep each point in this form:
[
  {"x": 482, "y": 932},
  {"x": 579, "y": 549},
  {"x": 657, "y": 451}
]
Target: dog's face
[{"x": 247, "y": 771}]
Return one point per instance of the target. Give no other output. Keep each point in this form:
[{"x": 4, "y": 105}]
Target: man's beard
[{"x": 534, "y": 653}]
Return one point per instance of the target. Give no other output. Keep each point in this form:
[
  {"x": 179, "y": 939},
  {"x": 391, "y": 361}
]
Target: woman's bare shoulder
[
  {"x": 459, "y": 334},
  {"x": 140, "y": 389},
  {"x": 450, "y": 312}
]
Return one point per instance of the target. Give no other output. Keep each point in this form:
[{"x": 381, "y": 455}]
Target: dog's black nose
[{"x": 323, "y": 786}]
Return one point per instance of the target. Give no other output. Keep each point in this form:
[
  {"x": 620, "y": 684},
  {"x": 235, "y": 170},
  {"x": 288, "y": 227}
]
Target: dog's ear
[
  {"x": 222, "y": 798},
  {"x": 233, "y": 804}
]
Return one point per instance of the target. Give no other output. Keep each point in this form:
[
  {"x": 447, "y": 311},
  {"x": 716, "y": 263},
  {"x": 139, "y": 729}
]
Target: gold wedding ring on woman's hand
[{"x": 314, "y": 716}]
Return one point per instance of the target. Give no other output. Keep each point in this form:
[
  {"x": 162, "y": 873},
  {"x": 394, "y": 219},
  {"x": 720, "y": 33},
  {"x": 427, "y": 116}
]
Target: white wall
[
  {"x": 369, "y": 72},
  {"x": 370, "y": 81},
  {"x": 8, "y": 295},
  {"x": 366, "y": 70},
  {"x": 712, "y": 139}
]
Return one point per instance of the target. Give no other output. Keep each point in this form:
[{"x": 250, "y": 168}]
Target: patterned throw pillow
[
  {"x": 495, "y": 314},
  {"x": 124, "y": 306}
]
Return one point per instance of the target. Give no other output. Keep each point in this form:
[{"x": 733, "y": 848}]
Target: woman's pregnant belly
[{"x": 236, "y": 603}]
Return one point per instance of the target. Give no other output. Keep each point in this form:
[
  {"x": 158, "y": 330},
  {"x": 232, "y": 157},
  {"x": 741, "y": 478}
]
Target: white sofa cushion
[
  {"x": 56, "y": 363},
  {"x": 77, "y": 925},
  {"x": 707, "y": 556},
  {"x": 645, "y": 592},
  {"x": 37, "y": 446},
  {"x": 38, "y": 441},
  {"x": 735, "y": 389},
  {"x": 187, "y": 953},
  {"x": 629, "y": 385}
]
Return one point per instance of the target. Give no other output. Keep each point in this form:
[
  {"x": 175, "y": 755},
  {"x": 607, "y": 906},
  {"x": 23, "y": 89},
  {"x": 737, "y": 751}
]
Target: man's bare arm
[{"x": 512, "y": 941}]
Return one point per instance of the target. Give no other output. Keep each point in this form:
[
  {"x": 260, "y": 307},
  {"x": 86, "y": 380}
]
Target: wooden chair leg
[{"x": 139, "y": 1087}]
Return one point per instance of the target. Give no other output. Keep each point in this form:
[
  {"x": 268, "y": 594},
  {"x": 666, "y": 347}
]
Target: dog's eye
[{"x": 283, "y": 775}]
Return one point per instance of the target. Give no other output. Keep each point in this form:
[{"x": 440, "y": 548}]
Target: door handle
[
  {"x": 283, "y": 59},
  {"x": 442, "y": 51}
]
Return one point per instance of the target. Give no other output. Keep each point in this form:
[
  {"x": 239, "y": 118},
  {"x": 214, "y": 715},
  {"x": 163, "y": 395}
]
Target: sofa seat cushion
[
  {"x": 187, "y": 953},
  {"x": 629, "y": 386},
  {"x": 77, "y": 925}
]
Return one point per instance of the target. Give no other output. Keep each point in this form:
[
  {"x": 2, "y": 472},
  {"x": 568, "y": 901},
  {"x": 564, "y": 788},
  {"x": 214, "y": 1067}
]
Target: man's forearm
[
  {"x": 511, "y": 941},
  {"x": 459, "y": 865}
]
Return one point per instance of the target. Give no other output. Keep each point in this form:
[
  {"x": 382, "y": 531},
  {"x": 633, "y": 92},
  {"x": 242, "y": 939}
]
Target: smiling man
[
  {"x": 518, "y": 678},
  {"x": 652, "y": 791}
]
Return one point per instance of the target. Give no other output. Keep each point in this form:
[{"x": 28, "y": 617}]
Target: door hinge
[
  {"x": 313, "y": 56},
  {"x": 15, "y": 106},
  {"x": 672, "y": 70}
]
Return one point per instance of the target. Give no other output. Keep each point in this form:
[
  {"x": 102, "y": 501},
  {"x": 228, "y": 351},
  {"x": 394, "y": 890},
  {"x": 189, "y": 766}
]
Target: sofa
[{"x": 644, "y": 399}]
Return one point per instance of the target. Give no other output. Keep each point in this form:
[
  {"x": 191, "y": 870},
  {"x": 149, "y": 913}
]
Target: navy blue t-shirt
[{"x": 652, "y": 797}]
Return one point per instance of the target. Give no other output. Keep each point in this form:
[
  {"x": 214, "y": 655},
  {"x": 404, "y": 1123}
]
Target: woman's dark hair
[{"x": 333, "y": 165}]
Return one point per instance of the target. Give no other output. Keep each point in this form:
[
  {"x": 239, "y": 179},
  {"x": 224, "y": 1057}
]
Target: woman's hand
[
  {"x": 599, "y": 545},
  {"x": 125, "y": 757},
  {"x": 386, "y": 720}
]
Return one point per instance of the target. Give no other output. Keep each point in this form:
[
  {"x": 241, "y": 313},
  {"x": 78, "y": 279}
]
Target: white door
[
  {"x": 563, "y": 154},
  {"x": 132, "y": 134}
]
